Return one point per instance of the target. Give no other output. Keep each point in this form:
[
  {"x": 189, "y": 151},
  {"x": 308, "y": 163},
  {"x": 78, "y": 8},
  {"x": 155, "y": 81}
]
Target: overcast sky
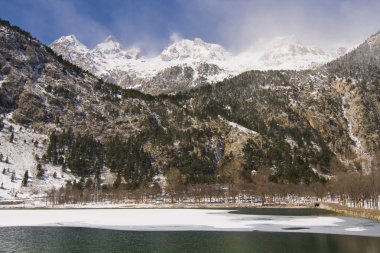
[{"x": 235, "y": 24}]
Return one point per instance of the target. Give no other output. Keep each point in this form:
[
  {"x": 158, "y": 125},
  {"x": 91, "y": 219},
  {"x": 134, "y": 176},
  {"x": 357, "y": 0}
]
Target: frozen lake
[
  {"x": 185, "y": 230},
  {"x": 192, "y": 220}
]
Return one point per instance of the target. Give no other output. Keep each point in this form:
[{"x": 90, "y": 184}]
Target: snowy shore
[
  {"x": 35, "y": 203},
  {"x": 185, "y": 220}
]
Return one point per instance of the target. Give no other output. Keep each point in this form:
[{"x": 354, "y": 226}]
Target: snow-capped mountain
[
  {"x": 75, "y": 50},
  {"x": 111, "y": 48},
  {"x": 126, "y": 67},
  {"x": 195, "y": 61},
  {"x": 281, "y": 53},
  {"x": 291, "y": 53},
  {"x": 194, "y": 50}
]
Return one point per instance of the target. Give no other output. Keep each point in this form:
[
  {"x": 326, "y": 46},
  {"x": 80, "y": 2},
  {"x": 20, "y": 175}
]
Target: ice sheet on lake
[
  {"x": 356, "y": 229},
  {"x": 184, "y": 219}
]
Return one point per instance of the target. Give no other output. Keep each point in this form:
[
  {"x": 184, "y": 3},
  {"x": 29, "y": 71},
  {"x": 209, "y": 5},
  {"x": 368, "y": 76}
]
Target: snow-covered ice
[
  {"x": 356, "y": 229},
  {"x": 183, "y": 220}
]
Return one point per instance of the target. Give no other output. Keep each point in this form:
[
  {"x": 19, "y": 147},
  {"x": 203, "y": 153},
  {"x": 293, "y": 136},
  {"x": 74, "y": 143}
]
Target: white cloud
[
  {"x": 69, "y": 20},
  {"x": 235, "y": 24},
  {"x": 175, "y": 37},
  {"x": 327, "y": 23}
]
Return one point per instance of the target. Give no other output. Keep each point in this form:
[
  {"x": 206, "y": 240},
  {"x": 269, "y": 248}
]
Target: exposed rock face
[{"x": 357, "y": 82}]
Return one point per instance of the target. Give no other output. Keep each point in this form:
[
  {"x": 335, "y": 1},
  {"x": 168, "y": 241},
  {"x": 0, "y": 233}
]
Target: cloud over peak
[{"x": 236, "y": 25}]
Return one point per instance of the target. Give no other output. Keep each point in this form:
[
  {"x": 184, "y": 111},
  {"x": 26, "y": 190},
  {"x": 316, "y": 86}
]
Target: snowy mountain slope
[
  {"x": 126, "y": 67},
  {"x": 286, "y": 53},
  {"x": 209, "y": 62},
  {"x": 111, "y": 48},
  {"x": 196, "y": 50},
  {"x": 20, "y": 156},
  {"x": 75, "y": 49}
]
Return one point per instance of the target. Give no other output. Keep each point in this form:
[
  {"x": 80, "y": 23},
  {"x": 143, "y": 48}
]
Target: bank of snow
[{"x": 19, "y": 156}]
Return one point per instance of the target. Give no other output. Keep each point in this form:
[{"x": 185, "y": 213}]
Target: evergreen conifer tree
[
  {"x": 52, "y": 153},
  {"x": 117, "y": 182},
  {"x": 64, "y": 167},
  {"x": 1, "y": 123},
  {"x": 89, "y": 183},
  {"x": 40, "y": 171},
  {"x": 25, "y": 179}
]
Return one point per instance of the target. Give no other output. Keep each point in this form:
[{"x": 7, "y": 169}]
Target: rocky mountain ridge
[{"x": 193, "y": 62}]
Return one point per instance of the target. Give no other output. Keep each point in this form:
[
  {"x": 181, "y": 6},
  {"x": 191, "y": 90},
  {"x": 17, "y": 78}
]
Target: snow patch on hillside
[
  {"x": 21, "y": 155},
  {"x": 358, "y": 144},
  {"x": 238, "y": 127}
]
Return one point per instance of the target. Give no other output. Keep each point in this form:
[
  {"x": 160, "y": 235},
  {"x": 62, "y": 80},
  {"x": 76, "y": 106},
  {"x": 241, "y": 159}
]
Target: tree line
[{"x": 84, "y": 156}]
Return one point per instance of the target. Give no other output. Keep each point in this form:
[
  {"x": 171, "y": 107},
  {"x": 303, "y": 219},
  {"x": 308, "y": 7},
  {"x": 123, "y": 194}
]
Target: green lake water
[
  {"x": 67, "y": 239},
  {"x": 48, "y": 239}
]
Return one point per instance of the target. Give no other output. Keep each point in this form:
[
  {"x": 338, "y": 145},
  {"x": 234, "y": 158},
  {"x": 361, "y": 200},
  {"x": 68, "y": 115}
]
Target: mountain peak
[
  {"x": 195, "y": 50},
  {"x": 109, "y": 42},
  {"x": 111, "y": 48},
  {"x": 109, "y": 45},
  {"x": 71, "y": 39},
  {"x": 199, "y": 41},
  {"x": 70, "y": 43},
  {"x": 111, "y": 38},
  {"x": 376, "y": 34},
  {"x": 374, "y": 39}
]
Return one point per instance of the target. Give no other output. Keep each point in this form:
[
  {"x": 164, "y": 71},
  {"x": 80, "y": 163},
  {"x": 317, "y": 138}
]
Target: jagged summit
[
  {"x": 74, "y": 50},
  {"x": 375, "y": 35},
  {"x": 196, "y": 50},
  {"x": 110, "y": 41},
  {"x": 111, "y": 38},
  {"x": 70, "y": 40},
  {"x": 291, "y": 44},
  {"x": 374, "y": 39},
  {"x": 111, "y": 48},
  {"x": 108, "y": 46},
  {"x": 288, "y": 52},
  {"x": 204, "y": 61}
]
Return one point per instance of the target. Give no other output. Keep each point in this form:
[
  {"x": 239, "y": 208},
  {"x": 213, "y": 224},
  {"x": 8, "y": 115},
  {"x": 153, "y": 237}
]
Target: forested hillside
[{"x": 283, "y": 126}]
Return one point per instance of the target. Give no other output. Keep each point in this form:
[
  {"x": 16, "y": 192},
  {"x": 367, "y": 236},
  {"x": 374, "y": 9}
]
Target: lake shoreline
[
  {"x": 370, "y": 214},
  {"x": 102, "y": 205},
  {"x": 336, "y": 208}
]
